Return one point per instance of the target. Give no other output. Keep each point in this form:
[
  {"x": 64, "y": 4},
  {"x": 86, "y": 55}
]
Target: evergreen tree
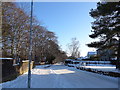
[{"x": 106, "y": 27}]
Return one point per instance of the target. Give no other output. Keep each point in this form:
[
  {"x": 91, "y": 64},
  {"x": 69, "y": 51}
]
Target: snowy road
[{"x": 60, "y": 76}]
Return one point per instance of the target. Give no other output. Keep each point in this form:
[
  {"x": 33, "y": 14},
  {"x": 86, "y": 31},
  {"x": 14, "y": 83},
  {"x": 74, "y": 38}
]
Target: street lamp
[{"x": 30, "y": 47}]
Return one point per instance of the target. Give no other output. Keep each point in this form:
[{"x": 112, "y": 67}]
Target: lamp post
[{"x": 30, "y": 47}]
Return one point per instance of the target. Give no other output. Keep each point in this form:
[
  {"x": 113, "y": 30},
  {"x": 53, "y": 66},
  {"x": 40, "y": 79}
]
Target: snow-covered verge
[
  {"x": 102, "y": 67},
  {"x": 105, "y": 69},
  {"x": 60, "y": 76}
]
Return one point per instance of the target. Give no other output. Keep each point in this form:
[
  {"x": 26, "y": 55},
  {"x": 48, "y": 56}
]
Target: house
[{"x": 89, "y": 54}]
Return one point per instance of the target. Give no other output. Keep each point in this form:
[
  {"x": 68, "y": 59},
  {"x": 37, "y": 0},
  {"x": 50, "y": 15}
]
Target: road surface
[{"x": 60, "y": 76}]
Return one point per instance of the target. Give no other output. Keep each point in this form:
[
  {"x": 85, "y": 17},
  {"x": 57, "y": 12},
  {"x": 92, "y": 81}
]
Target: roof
[{"x": 91, "y": 53}]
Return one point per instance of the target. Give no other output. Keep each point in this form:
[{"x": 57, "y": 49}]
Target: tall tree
[
  {"x": 1, "y": 39},
  {"x": 15, "y": 36},
  {"x": 106, "y": 27}
]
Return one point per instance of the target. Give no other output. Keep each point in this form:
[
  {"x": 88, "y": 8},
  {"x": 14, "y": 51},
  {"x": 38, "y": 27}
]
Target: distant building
[{"x": 89, "y": 54}]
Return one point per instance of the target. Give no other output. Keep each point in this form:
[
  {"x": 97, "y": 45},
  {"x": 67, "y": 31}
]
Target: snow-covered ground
[
  {"x": 102, "y": 67},
  {"x": 60, "y": 76}
]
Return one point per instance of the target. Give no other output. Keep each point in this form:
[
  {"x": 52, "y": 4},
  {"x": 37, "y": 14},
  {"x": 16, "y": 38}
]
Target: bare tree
[
  {"x": 73, "y": 48},
  {"x": 15, "y": 36}
]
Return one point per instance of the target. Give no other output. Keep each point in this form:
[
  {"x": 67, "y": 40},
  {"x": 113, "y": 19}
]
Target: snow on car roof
[
  {"x": 6, "y": 58},
  {"x": 68, "y": 59},
  {"x": 76, "y": 61}
]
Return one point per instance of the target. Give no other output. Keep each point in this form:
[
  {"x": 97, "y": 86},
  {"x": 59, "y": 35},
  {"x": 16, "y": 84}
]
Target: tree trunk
[{"x": 118, "y": 55}]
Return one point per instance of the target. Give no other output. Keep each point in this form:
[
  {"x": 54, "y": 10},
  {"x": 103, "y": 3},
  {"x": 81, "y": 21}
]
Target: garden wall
[{"x": 10, "y": 71}]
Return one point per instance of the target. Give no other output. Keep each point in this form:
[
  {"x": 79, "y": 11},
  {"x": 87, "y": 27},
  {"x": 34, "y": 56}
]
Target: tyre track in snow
[{"x": 84, "y": 79}]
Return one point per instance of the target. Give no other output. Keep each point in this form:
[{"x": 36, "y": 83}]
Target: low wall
[
  {"x": 24, "y": 67},
  {"x": 10, "y": 71}
]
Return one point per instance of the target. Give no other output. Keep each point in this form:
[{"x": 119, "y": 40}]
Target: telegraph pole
[{"x": 30, "y": 47}]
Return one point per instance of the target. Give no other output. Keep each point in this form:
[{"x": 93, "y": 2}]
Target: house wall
[{"x": 89, "y": 54}]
